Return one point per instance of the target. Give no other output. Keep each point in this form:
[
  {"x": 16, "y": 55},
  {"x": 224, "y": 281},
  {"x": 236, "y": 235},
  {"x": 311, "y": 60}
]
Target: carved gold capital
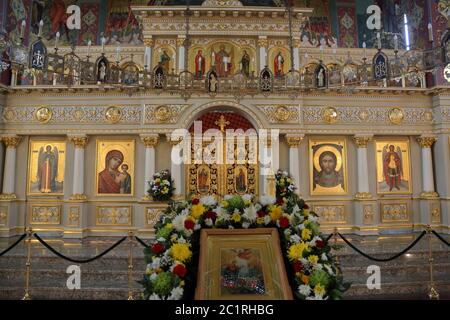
[
  {"x": 297, "y": 42},
  {"x": 8, "y": 196},
  {"x": 294, "y": 141},
  {"x": 263, "y": 42},
  {"x": 78, "y": 197},
  {"x": 149, "y": 42},
  {"x": 173, "y": 141},
  {"x": 363, "y": 195},
  {"x": 79, "y": 141},
  {"x": 362, "y": 141},
  {"x": 429, "y": 195},
  {"x": 150, "y": 141},
  {"x": 180, "y": 41},
  {"x": 426, "y": 142},
  {"x": 11, "y": 141}
]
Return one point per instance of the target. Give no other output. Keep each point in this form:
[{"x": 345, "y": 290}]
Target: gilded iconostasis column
[
  {"x": 180, "y": 53},
  {"x": 294, "y": 142},
  {"x": 297, "y": 44},
  {"x": 262, "y": 45},
  {"x": 9, "y": 174},
  {"x": 176, "y": 170},
  {"x": 149, "y": 43},
  {"x": 361, "y": 142},
  {"x": 150, "y": 142},
  {"x": 78, "y": 167},
  {"x": 428, "y": 191}
]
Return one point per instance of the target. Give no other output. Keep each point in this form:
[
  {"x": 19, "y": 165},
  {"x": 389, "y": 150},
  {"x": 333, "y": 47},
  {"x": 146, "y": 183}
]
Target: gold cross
[{"x": 222, "y": 123}]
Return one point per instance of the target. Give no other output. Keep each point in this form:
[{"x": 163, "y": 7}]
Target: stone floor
[{"x": 107, "y": 278}]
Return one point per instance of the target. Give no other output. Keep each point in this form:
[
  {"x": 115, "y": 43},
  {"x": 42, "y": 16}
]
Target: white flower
[
  {"x": 197, "y": 226},
  {"x": 314, "y": 298},
  {"x": 296, "y": 209},
  {"x": 245, "y": 225},
  {"x": 208, "y": 201},
  {"x": 304, "y": 289},
  {"x": 182, "y": 240},
  {"x": 313, "y": 241},
  {"x": 258, "y": 206},
  {"x": 324, "y": 257},
  {"x": 247, "y": 197},
  {"x": 161, "y": 239},
  {"x": 185, "y": 212},
  {"x": 250, "y": 214},
  {"x": 295, "y": 238},
  {"x": 287, "y": 232},
  {"x": 329, "y": 269},
  {"x": 155, "y": 263},
  {"x": 318, "y": 266},
  {"x": 176, "y": 294},
  {"x": 153, "y": 276},
  {"x": 230, "y": 227},
  {"x": 285, "y": 173},
  {"x": 267, "y": 219},
  {"x": 209, "y": 222},
  {"x": 312, "y": 218},
  {"x": 155, "y": 297},
  {"x": 228, "y": 197},
  {"x": 223, "y": 215},
  {"x": 267, "y": 200},
  {"x": 178, "y": 222}
]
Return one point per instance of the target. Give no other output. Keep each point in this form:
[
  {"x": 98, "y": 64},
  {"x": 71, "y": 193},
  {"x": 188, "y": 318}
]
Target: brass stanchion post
[
  {"x": 28, "y": 265},
  {"x": 130, "y": 265},
  {"x": 432, "y": 293}
]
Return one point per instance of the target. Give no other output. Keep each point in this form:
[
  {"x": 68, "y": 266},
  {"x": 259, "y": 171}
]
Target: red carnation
[
  {"x": 157, "y": 248},
  {"x": 189, "y": 224},
  {"x": 195, "y": 201},
  {"x": 298, "y": 266},
  {"x": 211, "y": 215},
  {"x": 280, "y": 201},
  {"x": 305, "y": 206},
  {"x": 284, "y": 222},
  {"x": 320, "y": 244},
  {"x": 261, "y": 213},
  {"x": 180, "y": 270}
]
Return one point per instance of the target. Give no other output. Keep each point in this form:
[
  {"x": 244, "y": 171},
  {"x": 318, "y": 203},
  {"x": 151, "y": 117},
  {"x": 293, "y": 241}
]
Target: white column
[
  {"x": 363, "y": 168},
  {"x": 148, "y": 53},
  {"x": 176, "y": 170},
  {"x": 79, "y": 142},
  {"x": 296, "y": 65},
  {"x": 262, "y": 44},
  {"x": 294, "y": 157},
  {"x": 180, "y": 53},
  {"x": 428, "y": 191},
  {"x": 150, "y": 142},
  {"x": 275, "y": 150},
  {"x": 9, "y": 176}
]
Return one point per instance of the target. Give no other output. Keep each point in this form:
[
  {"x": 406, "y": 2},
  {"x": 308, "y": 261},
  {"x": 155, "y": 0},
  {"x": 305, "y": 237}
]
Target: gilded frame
[
  {"x": 129, "y": 159},
  {"x": 32, "y": 167},
  {"x": 379, "y": 143},
  {"x": 343, "y": 165},
  {"x": 215, "y": 248}
]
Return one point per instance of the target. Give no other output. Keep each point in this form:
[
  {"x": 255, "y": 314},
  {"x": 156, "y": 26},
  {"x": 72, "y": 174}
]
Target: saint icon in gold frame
[
  {"x": 241, "y": 265},
  {"x": 328, "y": 167},
  {"x": 46, "y": 166}
]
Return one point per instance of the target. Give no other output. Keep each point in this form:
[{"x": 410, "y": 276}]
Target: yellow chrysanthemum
[
  {"x": 295, "y": 251},
  {"x": 169, "y": 226},
  {"x": 275, "y": 213},
  {"x": 260, "y": 220},
  {"x": 306, "y": 212},
  {"x": 236, "y": 217},
  {"x": 181, "y": 252},
  {"x": 319, "y": 290},
  {"x": 306, "y": 234},
  {"x": 224, "y": 203},
  {"x": 197, "y": 210},
  {"x": 313, "y": 259}
]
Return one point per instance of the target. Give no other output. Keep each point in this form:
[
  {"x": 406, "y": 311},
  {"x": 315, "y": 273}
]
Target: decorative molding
[
  {"x": 11, "y": 141},
  {"x": 435, "y": 212},
  {"x": 78, "y": 197},
  {"x": 3, "y": 216},
  {"x": 152, "y": 215},
  {"x": 294, "y": 141},
  {"x": 426, "y": 141},
  {"x": 45, "y": 214},
  {"x": 280, "y": 113},
  {"x": 394, "y": 212},
  {"x": 74, "y": 217},
  {"x": 331, "y": 214},
  {"x": 429, "y": 195},
  {"x": 330, "y": 115},
  {"x": 363, "y": 195},
  {"x": 368, "y": 214},
  {"x": 43, "y": 114},
  {"x": 113, "y": 114},
  {"x": 8, "y": 196},
  {"x": 163, "y": 113},
  {"x": 396, "y": 116},
  {"x": 113, "y": 216},
  {"x": 79, "y": 141},
  {"x": 362, "y": 141}
]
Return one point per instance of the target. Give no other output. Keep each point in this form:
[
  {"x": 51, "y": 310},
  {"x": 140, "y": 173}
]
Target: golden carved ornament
[
  {"x": 163, "y": 114},
  {"x": 426, "y": 142},
  {"x": 3, "y": 215},
  {"x": 9, "y": 114},
  {"x": 294, "y": 141},
  {"x": 282, "y": 114},
  {"x": 396, "y": 116},
  {"x": 180, "y": 41},
  {"x": 8, "y": 196},
  {"x": 78, "y": 197},
  {"x": 150, "y": 141},
  {"x": 173, "y": 142},
  {"x": 113, "y": 114},
  {"x": 363, "y": 195},
  {"x": 79, "y": 142},
  {"x": 362, "y": 141},
  {"x": 263, "y": 42},
  {"x": 330, "y": 115},
  {"x": 363, "y": 115},
  {"x": 428, "y": 116},
  {"x": 429, "y": 195},
  {"x": 11, "y": 142},
  {"x": 368, "y": 214},
  {"x": 43, "y": 114},
  {"x": 149, "y": 42}
]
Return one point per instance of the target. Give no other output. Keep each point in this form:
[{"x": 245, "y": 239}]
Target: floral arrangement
[
  {"x": 171, "y": 259},
  {"x": 285, "y": 187},
  {"x": 161, "y": 187}
]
